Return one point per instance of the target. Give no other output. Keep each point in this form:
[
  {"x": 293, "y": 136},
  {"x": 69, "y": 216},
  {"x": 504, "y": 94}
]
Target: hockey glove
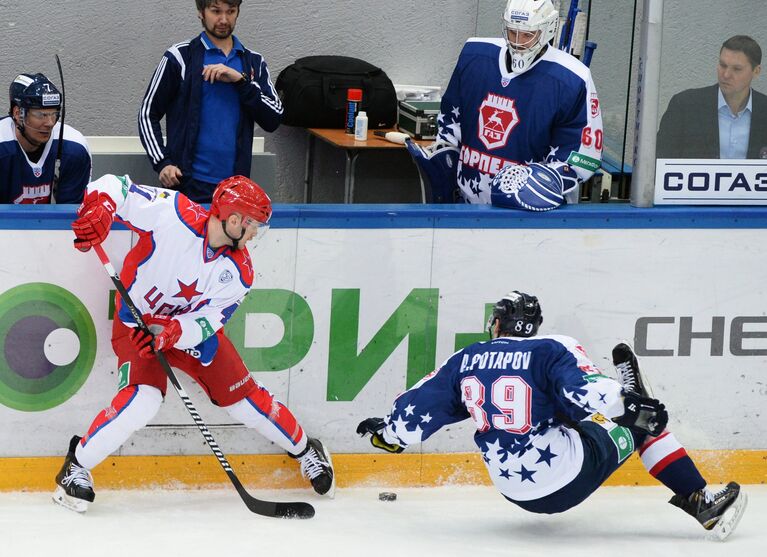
[
  {"x": 163, "y": 333},
  {"x": 375, "y": 427},
  {"x": 533, "y": 187},
  {"x": 437, "y": 164},
  {"x": 95, "y": 217},
  {"x": 647, "y": 414}
]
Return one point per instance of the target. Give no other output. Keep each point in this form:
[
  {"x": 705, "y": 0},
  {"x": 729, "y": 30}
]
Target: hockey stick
[
  {"x": 566, "y": 36},
  {"x": 265, "y": 508},
  {"x": 57, "y": 162}
]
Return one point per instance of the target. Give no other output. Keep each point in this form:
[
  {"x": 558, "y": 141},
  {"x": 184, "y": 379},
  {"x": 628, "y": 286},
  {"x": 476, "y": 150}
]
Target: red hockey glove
[
  {"x": 95, "y": 218},
  {"x": 164, "y": 333}
]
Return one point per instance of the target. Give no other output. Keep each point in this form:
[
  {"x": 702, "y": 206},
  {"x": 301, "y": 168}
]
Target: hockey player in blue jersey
[
  {"x": 29, "y": 147},
  {"x": 518, "y": 110},
  {"x": 550, "y": 426}
]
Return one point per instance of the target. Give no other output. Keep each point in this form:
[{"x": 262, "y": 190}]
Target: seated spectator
[
  {"x": 723, "y": 121},
  {"x": 34, "y": 168}
]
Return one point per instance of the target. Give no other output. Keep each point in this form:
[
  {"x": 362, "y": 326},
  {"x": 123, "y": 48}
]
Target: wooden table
[{"x": 352, "y": 149}]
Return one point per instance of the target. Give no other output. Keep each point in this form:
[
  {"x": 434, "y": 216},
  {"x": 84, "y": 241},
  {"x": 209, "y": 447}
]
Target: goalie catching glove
[
  {"x": 163, "y": 333},
  {"x": 533, "y": 187},
  {"x": 375, "y": 427},
  {"x": 95, "y": 217},
  {"x": 647, "y": 414}
]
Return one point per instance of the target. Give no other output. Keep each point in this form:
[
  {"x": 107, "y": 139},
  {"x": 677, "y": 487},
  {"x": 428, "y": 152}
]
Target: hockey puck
[{"x": 387, "y": 496}]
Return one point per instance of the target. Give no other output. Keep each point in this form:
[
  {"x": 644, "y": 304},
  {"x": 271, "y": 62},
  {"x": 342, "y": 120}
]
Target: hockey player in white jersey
[
  {"x": 550, "y": 426},
  {"x": 520, "y": 123},
  {"x": 187, "y": 274}
]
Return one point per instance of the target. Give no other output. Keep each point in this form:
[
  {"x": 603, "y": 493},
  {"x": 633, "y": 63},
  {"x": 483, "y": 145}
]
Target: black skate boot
[
  {"x": 75, "y": 484},
  {"x": 317, "y": 466},
  {"x": 627, "y": 366},
  {"x": 718, "y": 512}
]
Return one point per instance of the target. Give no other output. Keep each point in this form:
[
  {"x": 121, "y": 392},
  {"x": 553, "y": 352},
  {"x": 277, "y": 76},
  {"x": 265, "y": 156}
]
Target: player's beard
[{"x": 222, "y": 32}]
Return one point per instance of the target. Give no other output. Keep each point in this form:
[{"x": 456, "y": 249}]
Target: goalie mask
[
  {"x": 528, "y": 26},
  {"x": 243, "y": 196},
  {"x": 519, "y": 315}
]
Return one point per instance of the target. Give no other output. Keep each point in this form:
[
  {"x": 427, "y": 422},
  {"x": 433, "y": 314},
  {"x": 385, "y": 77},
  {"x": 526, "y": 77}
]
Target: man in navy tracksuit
[{"x": 211, "y": 90}]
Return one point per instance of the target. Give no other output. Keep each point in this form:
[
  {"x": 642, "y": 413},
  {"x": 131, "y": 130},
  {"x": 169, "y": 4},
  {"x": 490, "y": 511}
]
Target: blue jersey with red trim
[
  {"x": 494, "y": 117},
  {"x": 172, "y": 269},
  {"x": 520, "y": 393}
]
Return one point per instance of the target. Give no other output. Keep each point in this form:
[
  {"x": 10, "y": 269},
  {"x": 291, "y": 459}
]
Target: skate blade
[
  {"x": 729, "y": 521},
  {"x": 60, "y": 497}
]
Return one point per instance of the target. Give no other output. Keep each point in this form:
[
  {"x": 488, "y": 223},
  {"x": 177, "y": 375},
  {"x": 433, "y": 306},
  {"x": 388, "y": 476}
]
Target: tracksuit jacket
[{"x": 175, "y": 91}]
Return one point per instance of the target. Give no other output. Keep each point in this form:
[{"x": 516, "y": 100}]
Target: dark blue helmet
[
  {"x": 34, "y": 91},
  {"x": 519, "y": 315}
]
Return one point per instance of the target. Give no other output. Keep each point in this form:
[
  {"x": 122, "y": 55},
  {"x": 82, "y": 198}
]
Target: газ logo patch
[{"x": 497, "y": 117}]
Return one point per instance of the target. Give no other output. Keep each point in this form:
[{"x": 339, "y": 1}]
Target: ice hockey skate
[
  {"x": 627, "y": 366},
  {"x": 317, "y": 466},
  {"x": 718, "y": 512},
  {"x": 75, "y": 484}
]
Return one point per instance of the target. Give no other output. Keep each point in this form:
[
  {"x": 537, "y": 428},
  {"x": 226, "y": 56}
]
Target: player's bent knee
[
  {"x": 143, "y": 403},
  {"x": 250, "y": 411}
]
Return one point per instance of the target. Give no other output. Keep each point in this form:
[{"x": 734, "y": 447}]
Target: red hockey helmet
[{"x": 242, "y": 195}]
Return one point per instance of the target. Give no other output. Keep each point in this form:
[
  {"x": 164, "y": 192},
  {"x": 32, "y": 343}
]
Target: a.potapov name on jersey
[{"x": 496, "y": 360}]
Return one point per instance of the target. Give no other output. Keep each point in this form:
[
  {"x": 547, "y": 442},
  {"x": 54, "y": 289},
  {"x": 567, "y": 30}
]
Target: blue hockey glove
[
  {"x": 647, "y": 414},
  {"x": 533, "y": 187},
  {"x": 375, "y": 427}
]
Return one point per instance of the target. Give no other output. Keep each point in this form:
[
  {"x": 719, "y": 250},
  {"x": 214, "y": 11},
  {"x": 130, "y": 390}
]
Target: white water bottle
[{"x": 361, "y": 127}]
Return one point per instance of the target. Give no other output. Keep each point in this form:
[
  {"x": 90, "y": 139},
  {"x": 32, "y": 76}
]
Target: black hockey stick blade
[
  {"x": 271, "y": 509},
  {"x": 277, "y": 510}
]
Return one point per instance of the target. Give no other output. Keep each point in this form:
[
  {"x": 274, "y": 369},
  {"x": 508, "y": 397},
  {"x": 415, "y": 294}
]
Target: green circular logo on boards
[{"x": 48, "y": 346}]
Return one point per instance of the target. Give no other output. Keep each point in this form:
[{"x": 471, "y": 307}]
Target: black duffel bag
[{"x": 313, "y": 92}]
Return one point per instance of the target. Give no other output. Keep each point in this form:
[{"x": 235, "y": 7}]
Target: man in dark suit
[{"x": 723, "y": 121}]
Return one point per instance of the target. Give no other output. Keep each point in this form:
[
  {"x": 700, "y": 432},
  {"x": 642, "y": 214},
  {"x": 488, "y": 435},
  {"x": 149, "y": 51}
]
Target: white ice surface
[{"x": 448, "y": 521}]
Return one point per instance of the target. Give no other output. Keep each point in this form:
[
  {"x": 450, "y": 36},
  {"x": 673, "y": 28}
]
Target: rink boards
[{"x": 353, "y": 305}]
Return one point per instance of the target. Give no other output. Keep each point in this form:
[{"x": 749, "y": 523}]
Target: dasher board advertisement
[{"x": 711, "y": 182}]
